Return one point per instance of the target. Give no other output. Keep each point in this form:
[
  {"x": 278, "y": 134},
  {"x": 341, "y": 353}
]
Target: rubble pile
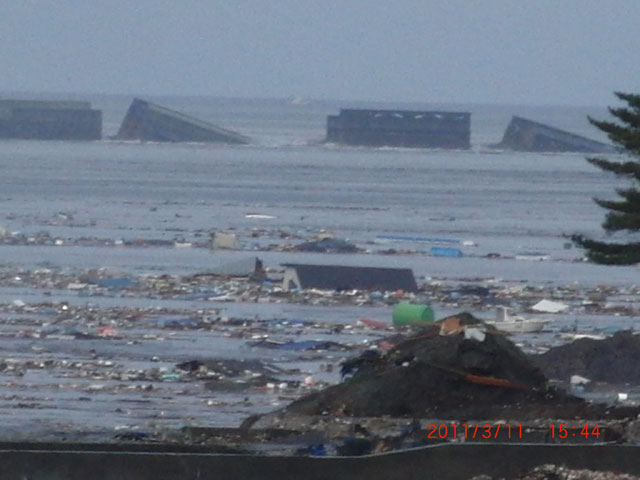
[
  {"x": 458, "y": 368},
  {"x": 613, "y": 360},
  {"x": 558, "y": 472}
]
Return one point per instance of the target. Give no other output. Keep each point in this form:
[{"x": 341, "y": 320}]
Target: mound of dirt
[
  {"x": 457, "y": 368},
  {"x": 613, "y": 360}
]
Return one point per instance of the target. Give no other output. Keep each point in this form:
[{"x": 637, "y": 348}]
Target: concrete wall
[
  {"x": 401, "y": 128},
  {"x": 42, "y": 120},
  {"x": 451, "y": 462}
]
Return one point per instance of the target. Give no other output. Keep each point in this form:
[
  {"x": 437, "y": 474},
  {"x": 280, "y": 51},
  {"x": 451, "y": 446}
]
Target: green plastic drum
[{"x": 410, "y": 314}]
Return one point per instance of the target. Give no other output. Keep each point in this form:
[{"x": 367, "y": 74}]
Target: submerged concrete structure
[
  {"x": 341, "y": 277},
  {"x": 147, "y": 121},
  {"x": 529, "y": 136},
  {"x": 400, "y": 128},
  {"x": 49, "y": 120}
]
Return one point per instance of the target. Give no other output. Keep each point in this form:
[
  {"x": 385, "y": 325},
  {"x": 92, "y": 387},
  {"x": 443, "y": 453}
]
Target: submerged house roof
[{"x": 340, "y": 277}]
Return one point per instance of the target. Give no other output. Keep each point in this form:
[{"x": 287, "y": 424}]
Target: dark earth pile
[
  {"x": 445, "y": 376},
  {"x": 612, "y": 360}
]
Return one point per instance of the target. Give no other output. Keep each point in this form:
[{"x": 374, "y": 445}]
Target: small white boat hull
[
  {"x": 516, "y": 324},
  {"x": 520, "y": 326}
]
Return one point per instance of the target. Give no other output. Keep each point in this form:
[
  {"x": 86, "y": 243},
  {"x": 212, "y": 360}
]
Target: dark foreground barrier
[{"x": 452, "y": 461}]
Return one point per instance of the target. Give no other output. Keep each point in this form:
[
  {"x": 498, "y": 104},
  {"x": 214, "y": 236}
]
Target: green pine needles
[{"x": 623, "y": 214}]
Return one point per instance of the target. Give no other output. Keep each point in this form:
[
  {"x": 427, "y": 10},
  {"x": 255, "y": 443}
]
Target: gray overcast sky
[{"x": 484, "y": 51}]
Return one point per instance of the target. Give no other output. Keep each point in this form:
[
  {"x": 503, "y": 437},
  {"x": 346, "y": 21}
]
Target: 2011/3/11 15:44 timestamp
[
  {"x": 570, "y": 431},
  {"x": 506, "y": 431}
]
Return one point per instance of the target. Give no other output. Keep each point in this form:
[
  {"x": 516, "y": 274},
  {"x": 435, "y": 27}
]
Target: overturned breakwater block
[
  {"x": 147, "y": 121},
  {"x": 529, "y": 136}
]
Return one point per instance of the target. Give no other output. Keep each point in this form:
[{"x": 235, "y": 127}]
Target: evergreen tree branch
[
  {"x": 631, "y": 203},
  {"x": 622, "y": 214},
  {"x": 609, "y": 253},
  {"x": 622, "y": 136},
  {"x": 621, "y": 221},
  {"x": 632, "y": 99},
  {"x": 627, "y": 116},
  {"x": 630, "y": 168},
  {"x": 631, "y": 195},
  {"x": 622, "y": 207}
]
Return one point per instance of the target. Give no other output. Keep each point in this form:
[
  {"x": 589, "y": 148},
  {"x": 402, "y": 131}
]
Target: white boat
[{"x": 507, "y": 322}]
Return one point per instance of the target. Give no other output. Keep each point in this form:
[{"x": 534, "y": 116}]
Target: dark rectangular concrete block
[
  {"x": 400, "y": 128},
  {"x": 49, "y": 120}
]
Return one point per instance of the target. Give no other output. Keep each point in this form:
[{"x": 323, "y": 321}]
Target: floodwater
[{"x": 128, "y": 207}]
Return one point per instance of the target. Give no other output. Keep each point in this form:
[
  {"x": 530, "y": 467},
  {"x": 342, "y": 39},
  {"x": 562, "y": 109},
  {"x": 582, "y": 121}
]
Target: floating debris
[
  {"x": 547, "y": 306},
  {"x": 301, "y": 345}
]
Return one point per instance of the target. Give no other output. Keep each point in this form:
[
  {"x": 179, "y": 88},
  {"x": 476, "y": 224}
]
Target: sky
[{"x": 534, "y": 52}]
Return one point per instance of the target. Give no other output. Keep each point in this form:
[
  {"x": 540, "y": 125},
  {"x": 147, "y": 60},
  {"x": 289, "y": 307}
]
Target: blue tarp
[{"x": 445, "y": 252}]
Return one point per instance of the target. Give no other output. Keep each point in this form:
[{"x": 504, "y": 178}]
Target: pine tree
[{"x": 624, "y": 214}]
